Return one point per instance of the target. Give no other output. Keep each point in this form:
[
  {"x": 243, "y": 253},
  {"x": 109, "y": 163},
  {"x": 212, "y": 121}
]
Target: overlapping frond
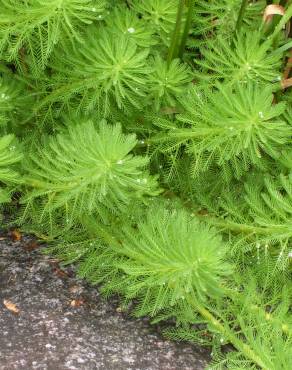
[
  {"x": 220, "y": 16},
  {"x": 167, "y": 83},
  {"x": 105, "y": 70},
  {"x": 169, "y": 257},
  {"x": 123, "y": 21},
  {"x": 10, "y": 155},
  {"x": 196, "y": 98},
  {"x": 239, "y": 125},
  {"x": 84, "y": 171},
  {"x": 249, "y": 60},
  {"x": 30, "y": 29},
  {"x": 14, "y": 99},
  {"x": 161, "y": 14}
]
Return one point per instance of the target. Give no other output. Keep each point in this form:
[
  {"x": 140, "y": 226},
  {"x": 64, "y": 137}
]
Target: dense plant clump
[{"x": 149, "y": 142}]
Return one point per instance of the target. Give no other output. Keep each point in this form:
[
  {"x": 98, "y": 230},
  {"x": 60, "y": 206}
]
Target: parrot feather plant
[{"x": 149, "y": 143}]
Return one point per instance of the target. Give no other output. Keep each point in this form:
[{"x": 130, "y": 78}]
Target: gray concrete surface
[{"x": 63, "y": 323}]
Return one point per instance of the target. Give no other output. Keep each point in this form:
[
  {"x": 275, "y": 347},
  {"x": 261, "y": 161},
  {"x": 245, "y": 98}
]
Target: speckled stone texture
[{"x": 63, "y": 323}]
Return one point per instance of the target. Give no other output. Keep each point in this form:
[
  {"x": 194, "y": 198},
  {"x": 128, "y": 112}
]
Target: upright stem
[
  {"x": 175, "y": 36},
  {"x": 186, "y": 29},
  {"x": 241, "y": 14},
  {"x": 228, "y": 334}
]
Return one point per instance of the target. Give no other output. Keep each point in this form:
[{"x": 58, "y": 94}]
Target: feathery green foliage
[
  {"x": 124, "y": 21},
  {"x": 149, "y": 142},
  {"x": 249, "y": 59},
  {"x": 160, "y": 14},
  {"x": 265, "y": 218},
  {"x": 103, "y": 71},
  {"x": 98, "y": 174},
  {"x": 30, "y": 30},
  {"x": 14, "y": 99},
  {"x": 220, "y": 16},
  {"x": 168, "y": 83},
  {"x": 9, "y": 157},
  {"x": 170, "y": 256},
  {"x": 238, "y": 124}
]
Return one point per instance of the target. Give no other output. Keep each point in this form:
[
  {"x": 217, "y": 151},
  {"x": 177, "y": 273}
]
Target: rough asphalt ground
[{"x": 63, "y": 323}]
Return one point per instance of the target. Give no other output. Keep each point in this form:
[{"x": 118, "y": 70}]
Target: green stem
[
  {"x": 175, "y": 37},
  {"x": 186, "y": 29},
  {"x": 241, "y": 14},
  {"x": 248, "y": 229},
  {"x": 228, "y": 334}
]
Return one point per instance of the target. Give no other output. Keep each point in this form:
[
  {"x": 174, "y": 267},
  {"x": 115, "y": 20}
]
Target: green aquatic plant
[
  {"x": 30, "y": 30},
  {"x": 149, "y": 143}
]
